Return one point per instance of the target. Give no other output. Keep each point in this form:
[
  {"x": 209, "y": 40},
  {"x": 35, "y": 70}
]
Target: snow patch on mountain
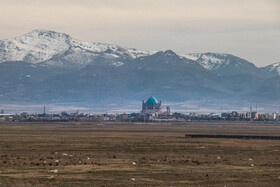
[
  {"x": 275, "y": 68},
  {"x": 117, "y": 64},
  {"x": 134, "y": 53},
  {"x": 192, "y": 56},
  {"x": 209, "y": 61}
]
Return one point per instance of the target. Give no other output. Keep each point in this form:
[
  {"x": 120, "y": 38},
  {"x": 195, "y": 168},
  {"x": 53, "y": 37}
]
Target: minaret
[{"x": 168, "y": 110}]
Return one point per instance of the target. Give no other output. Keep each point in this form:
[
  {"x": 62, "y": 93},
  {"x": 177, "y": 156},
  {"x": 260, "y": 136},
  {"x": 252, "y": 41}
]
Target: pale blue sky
[{"x": 249, "y": 29}]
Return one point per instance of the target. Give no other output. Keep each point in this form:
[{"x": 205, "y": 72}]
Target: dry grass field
[{"x": 134, "y": 154}]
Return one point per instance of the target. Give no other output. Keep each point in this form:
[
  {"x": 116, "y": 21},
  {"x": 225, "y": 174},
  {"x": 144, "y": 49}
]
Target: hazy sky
[{"x": 249, "y": 29}]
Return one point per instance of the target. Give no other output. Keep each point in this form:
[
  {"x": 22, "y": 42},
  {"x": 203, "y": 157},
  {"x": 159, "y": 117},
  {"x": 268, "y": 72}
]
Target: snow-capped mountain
[
  {"x": 223, "y": 64},
  {"x": 210, "y": 61},
  {"x": 34, "y": 47},
  {"x": 53, "y": 67},
  {"x": 58, "y": 48},
  {"x": 272, "y": 69}
]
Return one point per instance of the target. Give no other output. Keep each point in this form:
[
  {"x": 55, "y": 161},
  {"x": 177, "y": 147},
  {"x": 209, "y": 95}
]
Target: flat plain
[{"x": 138, "y": 154}]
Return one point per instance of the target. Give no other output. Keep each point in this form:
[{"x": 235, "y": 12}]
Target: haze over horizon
[{"x": 248, "y": 29}]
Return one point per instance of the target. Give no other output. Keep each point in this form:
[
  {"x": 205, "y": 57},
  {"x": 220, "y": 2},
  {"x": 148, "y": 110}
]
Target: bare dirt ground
[{"x": 134, "y": 154}]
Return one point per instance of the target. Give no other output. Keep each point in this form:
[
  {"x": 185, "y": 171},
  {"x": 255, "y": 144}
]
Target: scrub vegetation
[{"x": 136, "y": 154}]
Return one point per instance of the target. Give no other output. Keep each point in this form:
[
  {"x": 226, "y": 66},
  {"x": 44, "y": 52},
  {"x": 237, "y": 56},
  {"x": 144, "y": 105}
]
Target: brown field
[{"x": 134, "y": 154}]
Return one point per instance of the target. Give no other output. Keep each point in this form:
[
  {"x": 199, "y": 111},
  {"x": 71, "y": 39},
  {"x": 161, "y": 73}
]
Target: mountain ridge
[
  {"x": 49, "y": 44},
  {"x": 43, "y": 45},
  {"x": 75, "y": 71}
]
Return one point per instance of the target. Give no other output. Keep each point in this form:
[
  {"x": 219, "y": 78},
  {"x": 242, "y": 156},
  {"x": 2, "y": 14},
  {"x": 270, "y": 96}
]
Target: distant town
[{"x": 151, "y": 112}]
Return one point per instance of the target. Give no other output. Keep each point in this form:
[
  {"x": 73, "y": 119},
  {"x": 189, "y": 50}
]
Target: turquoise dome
[{"x": 152, "y": 100}]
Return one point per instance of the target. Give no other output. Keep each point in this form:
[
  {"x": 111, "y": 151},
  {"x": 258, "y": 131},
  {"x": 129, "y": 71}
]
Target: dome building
[{"x": 152, "y": 106}]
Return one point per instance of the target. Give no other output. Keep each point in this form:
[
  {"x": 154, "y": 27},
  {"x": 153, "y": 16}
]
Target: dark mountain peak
[
  {"x": 165, "y": 54},
  {"x": 169, "y": 53},
  {"x": 108, "y": 51}
]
